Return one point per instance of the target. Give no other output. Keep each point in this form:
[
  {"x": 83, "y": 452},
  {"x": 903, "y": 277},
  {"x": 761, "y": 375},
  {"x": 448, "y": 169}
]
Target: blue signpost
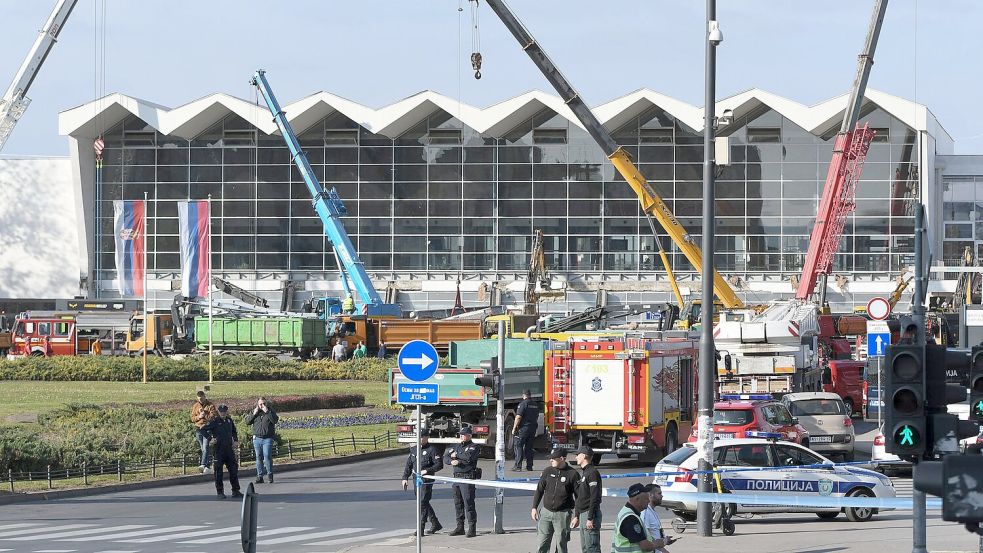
[
  {"x": 417, "y": 360},
  {"x": 878, "y": 338}
]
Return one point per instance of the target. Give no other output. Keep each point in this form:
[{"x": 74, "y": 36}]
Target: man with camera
[{"x": 264, "y": 420}]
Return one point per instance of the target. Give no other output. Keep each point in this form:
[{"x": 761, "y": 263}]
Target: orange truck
[
  {"x": 631, "y": 397},
  {"x": 397, "y": 332},
  {"x": 48, "y": 336}
]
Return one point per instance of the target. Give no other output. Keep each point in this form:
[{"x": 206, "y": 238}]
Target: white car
[
  {"x": 830, "y": 481},
  {"x": 891, "y": 462}
]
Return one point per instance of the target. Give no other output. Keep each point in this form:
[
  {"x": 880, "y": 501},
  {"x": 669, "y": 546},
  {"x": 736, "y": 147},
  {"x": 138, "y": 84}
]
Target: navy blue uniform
[
  {"x": 525, "y": 435},
  {"x": 223, "y": 431},
  {"x": 467, "y": 457},
  {"x": 430, "y": 463}
]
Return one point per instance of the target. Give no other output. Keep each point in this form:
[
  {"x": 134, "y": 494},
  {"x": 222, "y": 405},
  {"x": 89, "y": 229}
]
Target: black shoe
[
  {"x": 471, "y": 532},
  {"x": 435, "y": 527},
  {"x": 259, "y": 480},
  {"x": 236, "y": 494},
  {"x": 221, "y": 495},
  {"x": 271, "y": 479},
  {"x": 459, "y": 531},
  {"x": 529, "y": 469},
  {"x": 517, "y": 469}
]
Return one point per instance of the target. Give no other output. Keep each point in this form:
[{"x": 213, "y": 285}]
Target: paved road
[{"x": 359, "y": 507}]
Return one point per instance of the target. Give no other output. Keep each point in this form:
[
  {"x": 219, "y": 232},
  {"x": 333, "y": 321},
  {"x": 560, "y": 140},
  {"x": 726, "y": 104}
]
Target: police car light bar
[
  {"x": 766, "y": 435},
  {"x": 733, "y": 397}
]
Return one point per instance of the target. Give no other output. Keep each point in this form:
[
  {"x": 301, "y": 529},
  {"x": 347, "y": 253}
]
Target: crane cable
[
  {"x": 475, "y": 40},
  {"x": 99, "y": 93}
]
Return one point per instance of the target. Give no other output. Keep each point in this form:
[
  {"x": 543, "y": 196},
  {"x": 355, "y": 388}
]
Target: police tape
[
  {"x": 812, "y": 467},
  {"x": 819, "y": 501}
]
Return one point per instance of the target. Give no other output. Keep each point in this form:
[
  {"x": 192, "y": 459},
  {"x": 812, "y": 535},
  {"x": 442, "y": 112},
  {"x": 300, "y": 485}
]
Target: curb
[{"x": 9, "y": 499}]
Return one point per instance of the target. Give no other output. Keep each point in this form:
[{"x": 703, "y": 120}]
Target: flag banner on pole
[
  {"x": 130, "y": 222},
  {"x": 195, "y": 248}
]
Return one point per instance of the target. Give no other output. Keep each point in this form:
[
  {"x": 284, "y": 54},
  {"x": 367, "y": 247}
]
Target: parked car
[
  {"x": 827, "y": 419},
  {"x": 759, "y": 455},
  {"x": 888, "y": 463},
  {"x": 738, "y": 415}
]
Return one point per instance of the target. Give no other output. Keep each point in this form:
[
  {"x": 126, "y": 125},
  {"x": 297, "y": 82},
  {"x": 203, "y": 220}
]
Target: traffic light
[
  {"x": 976, "y": 385},
  {"x": 491, "y": 377},
  {"x": 945, "y": 430},
  {"x": 904, "y": 387},
  {"x": 956, "y": 480}
]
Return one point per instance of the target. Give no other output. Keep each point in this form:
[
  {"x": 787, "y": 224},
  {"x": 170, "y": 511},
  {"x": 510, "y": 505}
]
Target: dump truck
[
  {"x": 395, "y": 333},
  {"x": 298, "y": 336},
  {"x": 462, "y": 402}
]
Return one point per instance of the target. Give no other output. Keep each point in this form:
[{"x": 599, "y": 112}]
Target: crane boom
[
  {"x": 329, "y": 208},
  {"x": 839, "y": 192},
  {"x": 651, "y": 203},
  {"x": 15, "y": 101}
]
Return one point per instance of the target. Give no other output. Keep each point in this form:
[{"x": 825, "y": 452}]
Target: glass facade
[
  {"x": 962, "y": 218},
  {"x": 444, "y": 198}
]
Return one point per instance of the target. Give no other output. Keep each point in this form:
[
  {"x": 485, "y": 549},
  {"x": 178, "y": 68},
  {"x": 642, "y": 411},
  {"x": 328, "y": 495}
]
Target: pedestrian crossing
[
  {"x": 903, "y": 487},
  {"x": 134, "y": 538}
]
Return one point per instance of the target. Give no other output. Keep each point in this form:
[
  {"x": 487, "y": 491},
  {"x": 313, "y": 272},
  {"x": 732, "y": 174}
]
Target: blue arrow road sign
[
  {"x": 877, "y": 344},
  {"x": 417, "y": 360},
  {"x": 417, "y": 394}
]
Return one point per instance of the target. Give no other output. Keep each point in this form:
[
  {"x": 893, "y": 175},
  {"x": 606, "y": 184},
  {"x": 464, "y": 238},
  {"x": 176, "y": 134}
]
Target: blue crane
[{"x": 329, "y": 208}]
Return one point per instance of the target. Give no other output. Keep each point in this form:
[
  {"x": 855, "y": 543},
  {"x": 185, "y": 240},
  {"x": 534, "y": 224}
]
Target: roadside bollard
[
  {"x": 184, "y": 463},
  {"x": 50, "y": 483},
  {"x": 119, "y": 469},
  {"x": 312, "y": 448},
  {"x": 10, "y": 477},
  {"x": 85, "y": 474},
  {"x": 153, "y": 466},
  {"x": 353, "y": 443},
  {"x": 333, "y": 449},
  {"x": 290, "y": 451}
]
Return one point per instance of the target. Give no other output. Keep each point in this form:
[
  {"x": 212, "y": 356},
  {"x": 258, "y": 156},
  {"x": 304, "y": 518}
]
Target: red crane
[{"x": 839, "y": 192}]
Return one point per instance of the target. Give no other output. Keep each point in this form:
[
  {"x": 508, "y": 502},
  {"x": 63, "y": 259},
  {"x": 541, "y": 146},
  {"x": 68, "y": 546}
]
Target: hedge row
[
  {"x": 281, "y": 404},
  {"x": 165, "y": 369}
]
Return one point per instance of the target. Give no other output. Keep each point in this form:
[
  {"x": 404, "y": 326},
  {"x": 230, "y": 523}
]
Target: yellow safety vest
[{"x": 619, "y": 543}]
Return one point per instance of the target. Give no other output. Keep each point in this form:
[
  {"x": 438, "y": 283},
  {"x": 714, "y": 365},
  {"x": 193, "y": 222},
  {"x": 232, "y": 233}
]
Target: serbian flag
[
  {"x": 195, "y": 248},
  {"x": 130, "y": 222}
]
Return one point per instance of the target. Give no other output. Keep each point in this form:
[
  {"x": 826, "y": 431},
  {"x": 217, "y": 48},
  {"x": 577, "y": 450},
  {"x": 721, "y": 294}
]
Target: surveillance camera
[{"x": 715, "y": 35}]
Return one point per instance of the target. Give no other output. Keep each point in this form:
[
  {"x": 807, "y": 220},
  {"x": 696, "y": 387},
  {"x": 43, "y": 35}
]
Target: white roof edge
[{"x": 400, "y": 115}]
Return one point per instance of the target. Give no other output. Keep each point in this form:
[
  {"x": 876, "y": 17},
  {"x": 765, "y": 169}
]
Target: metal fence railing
[{"x": 121, "y": 470}]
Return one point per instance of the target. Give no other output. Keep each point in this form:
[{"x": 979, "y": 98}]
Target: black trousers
[
  {"x": 523, "y": 443},
  {"x": 464, "y": 504},
  {"x": 226, "y": 457},
  {"x": 426, "y": 509}
]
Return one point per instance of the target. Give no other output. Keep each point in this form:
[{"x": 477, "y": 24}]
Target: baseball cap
[
  {"x": 465, "y": 430},
  {"x": 636, "y": 489},
  {"x": 223, "y": 407},
  {"x": 586, "y": 450},
  {"x": 558, "y": 453},
  {"x": 527, "y": 392}
]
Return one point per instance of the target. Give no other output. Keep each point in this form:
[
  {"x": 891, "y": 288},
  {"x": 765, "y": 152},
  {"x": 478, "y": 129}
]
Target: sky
[{"x": 376, "y": 52}]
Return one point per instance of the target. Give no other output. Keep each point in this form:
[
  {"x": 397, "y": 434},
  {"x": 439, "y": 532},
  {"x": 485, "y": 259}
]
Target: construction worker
[
  {"x": 430, "y": 463},
  {"x": 348, "y": 306},
  {"x": 630, "y": 535},
  {"x": 360, "y": 351},
  {"x": 464, "y": 458},
  {"x": 96, "y": 347}
]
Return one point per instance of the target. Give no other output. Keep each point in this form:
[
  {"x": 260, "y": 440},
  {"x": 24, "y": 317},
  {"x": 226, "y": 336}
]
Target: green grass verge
[{"x": 26, "y": 398}]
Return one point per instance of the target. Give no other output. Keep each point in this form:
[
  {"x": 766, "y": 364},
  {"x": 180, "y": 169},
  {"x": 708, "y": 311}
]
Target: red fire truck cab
[{"x": 48, "y": 337}]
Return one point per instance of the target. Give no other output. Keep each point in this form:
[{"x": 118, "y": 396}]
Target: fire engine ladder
[{"x": 561, "y": 396}]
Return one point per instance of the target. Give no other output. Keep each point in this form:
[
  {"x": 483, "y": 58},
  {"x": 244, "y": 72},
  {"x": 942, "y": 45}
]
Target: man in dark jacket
[
  {"x": 524, "y": 430},
  {"x": 264, "y": 420},
  {"x": 589, "y": 502},
  {"x": 430, "y": 463},
  {"x": 464, "y": 458},
  {"x": 556, "y": 489},
  {"x": 222, "y": 432}
]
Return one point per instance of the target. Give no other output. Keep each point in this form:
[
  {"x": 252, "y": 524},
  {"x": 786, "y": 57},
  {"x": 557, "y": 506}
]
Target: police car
[{"x": 768, "y": 460}]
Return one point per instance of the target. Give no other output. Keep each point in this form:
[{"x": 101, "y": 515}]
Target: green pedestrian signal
[
  {"x": 978, "y": 408},
  {"x": 906, "y": 436}
]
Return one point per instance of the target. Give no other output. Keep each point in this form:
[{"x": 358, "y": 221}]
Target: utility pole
[
  {"x": 500, "y": 433},
  {"x": 918, "y": 526},
  {"x": 708, "y": 371}
]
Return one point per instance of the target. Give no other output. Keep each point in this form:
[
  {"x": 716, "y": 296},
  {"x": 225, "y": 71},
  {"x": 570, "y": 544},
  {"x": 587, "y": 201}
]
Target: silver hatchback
[{"x": 826, "y": 418}]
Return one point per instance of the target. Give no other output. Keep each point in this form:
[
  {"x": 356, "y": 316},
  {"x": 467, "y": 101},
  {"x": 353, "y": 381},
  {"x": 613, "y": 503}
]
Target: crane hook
[{"x": 476, "y": 64}]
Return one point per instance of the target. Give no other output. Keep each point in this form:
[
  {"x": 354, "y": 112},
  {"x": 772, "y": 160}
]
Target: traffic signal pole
[
  {"x": 918, "y": 526},
  {"x": 500, "y": 442}
]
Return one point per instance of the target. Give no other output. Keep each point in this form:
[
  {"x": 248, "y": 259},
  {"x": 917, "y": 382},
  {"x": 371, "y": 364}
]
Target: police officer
[
  {"x": 464, "y": 458},
  {"x": 524, "y": 430},
  {"x": 556, "y": 489},
  {"x": 430, "y": 463},
  {"x": 589, "y": 502},
  {"x": 221, "y": 431},
  {"x": 630, "y": 535}
]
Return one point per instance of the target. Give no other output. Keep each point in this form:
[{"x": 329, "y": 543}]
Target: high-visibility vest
[{"x": 619, "y": 543}]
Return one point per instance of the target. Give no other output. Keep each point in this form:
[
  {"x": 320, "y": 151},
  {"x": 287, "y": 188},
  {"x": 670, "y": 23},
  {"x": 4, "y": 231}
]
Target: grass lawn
[{"x": 25, "y": 398}]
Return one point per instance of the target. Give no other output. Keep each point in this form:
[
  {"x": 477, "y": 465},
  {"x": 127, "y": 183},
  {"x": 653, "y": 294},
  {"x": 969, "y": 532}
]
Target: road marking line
[
  {"x": 3, "y": 536},
  {"x": 379, "y": 536},
  {"x": 113, "y": 537},
  {"x": 81, "y": 532},
  {"x": 184, "y": 535},
  {"x": 272, "y": 532},
  {"x": 117, "y": 551},
  {"x": 55, "y": 551},
  {"x": 314, "y": 536},
  {"x": 19, "y": 525}
]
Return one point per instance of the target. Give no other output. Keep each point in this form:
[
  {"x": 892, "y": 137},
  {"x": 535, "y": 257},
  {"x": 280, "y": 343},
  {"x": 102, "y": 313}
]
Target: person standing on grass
[
  {"x": 381, "y": 352},
  {"x": 201, "y": 412},
  {"x": 360, "y": 351},
  {"x": 264, "y": 419},
  {"x": 222, "y": 432},
  {"x": 339, "y": 352}
]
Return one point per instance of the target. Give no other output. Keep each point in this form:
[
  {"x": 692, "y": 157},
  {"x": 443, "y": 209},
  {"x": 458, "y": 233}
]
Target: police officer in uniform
[
  {"x": 222, "y": 433},
  {"x": 430, "y": 463},
  {"x": 589, "y": 502},
  {"x": 464, "y": 458},
  {"x": 524, "y": 430},
  {"x": 630, "y": 534}
]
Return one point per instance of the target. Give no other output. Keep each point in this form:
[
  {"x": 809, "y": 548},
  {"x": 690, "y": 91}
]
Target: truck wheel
[
  {"x": 672, "y": 441},
  {"x": 850, "y": 409},
  {"x": 509, "y": 438}
]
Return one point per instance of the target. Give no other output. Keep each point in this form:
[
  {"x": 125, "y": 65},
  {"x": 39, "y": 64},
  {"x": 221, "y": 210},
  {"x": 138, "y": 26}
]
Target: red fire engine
[{"x": 47, "y": 336}]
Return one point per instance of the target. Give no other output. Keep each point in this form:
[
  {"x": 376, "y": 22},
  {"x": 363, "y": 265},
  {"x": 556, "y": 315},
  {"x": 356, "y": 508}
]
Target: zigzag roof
[{"x": 189, "y": 120}]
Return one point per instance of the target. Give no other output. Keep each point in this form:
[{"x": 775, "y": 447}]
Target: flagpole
[
  {"x": 146, "y": 322},
  {"x": 211, "y": 364}
]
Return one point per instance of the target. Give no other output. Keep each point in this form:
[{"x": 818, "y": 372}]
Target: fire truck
[
  {"x": 44, "y": 336},
  {"x": 624, "y": 396}
]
